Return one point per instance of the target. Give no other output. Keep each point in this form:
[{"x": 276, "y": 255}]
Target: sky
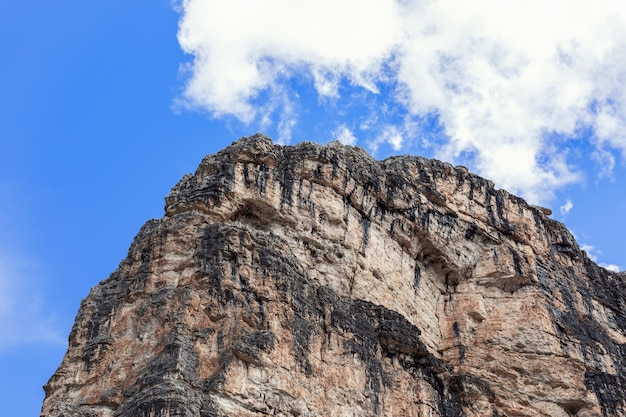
[{"x": 105, "y": 105}]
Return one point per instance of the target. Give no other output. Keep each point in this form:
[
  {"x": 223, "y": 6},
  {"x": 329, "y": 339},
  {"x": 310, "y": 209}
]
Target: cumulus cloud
[
  {"x": 344, "y": 135},
  {"x": 390, "y": 135},
  {"x": 594, "y": 253},
  {"x": 242, "y": 48},
  {"x": 567, "y": 207},
  {"x": 511, "y": 84},
  {"x": 611, "y": 267},
  {"x": 22, "y": 320},
  {"x": 591, "y": 251}
]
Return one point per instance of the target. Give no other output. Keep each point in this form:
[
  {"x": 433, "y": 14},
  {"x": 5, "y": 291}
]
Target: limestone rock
[{"x": 315, "y": 281}]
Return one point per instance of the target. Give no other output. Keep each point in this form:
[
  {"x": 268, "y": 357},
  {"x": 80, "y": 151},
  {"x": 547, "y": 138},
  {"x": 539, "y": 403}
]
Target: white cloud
[
  {"x": 594, "y": 253},
  {"x": 22, "y": 320},
  {"x": 243, "y": 47},
  {"x": 344, "y": 135},
  {"x": 605, "y": 160},
  {"x": 591, "y": 252},
  {"x": 611, "y": 267},
  {"x": 288, "y": 118},
  {"x": 285, "y": 130},
  {"x": 510, "y": 82},
  {"x": 390, "y": 135},
  {"x": 567, "y": 207}
]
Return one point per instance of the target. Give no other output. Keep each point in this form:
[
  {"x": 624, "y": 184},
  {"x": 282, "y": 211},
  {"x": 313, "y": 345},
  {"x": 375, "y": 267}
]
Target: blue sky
[{"x": 105, "y": 105}]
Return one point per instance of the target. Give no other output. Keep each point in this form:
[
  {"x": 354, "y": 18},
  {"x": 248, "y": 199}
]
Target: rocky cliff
[{"x": 316, "y": 281}]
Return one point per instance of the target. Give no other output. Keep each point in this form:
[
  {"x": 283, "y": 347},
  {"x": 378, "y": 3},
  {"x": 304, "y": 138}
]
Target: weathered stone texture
[{"x": 316, "y": 281}]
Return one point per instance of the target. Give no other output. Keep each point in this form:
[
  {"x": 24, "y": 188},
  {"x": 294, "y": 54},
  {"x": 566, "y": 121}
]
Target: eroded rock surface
[{"x": 315, "y": 281}]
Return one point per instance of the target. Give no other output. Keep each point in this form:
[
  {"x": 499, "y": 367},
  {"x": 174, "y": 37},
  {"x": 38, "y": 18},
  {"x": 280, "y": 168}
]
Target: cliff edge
[{"x": 313, "y": 280}]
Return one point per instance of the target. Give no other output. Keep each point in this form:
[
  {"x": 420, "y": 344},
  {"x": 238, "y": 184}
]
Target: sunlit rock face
[{"x": 316, "y": 281}]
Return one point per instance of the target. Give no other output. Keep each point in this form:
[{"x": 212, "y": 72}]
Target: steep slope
[{"x": 316, "y": 281}]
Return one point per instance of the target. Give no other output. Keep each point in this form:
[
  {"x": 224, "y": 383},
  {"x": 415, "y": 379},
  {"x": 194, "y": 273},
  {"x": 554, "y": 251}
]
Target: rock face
[{"x": 316, "y": 281}]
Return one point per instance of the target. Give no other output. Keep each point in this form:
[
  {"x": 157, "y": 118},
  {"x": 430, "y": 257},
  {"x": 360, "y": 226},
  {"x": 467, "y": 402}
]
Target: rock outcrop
[{"x": 316, "y": 281}]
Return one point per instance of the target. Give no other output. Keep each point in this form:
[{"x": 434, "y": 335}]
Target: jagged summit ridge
[{"x": 314, "y": 280}]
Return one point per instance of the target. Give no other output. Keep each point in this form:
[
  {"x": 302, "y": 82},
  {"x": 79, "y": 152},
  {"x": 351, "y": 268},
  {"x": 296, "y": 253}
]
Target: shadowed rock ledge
[{"x": 314, "y": 280}]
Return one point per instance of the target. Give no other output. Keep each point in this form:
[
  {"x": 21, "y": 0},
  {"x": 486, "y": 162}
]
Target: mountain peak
[{"x": 315, "y": 280}]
